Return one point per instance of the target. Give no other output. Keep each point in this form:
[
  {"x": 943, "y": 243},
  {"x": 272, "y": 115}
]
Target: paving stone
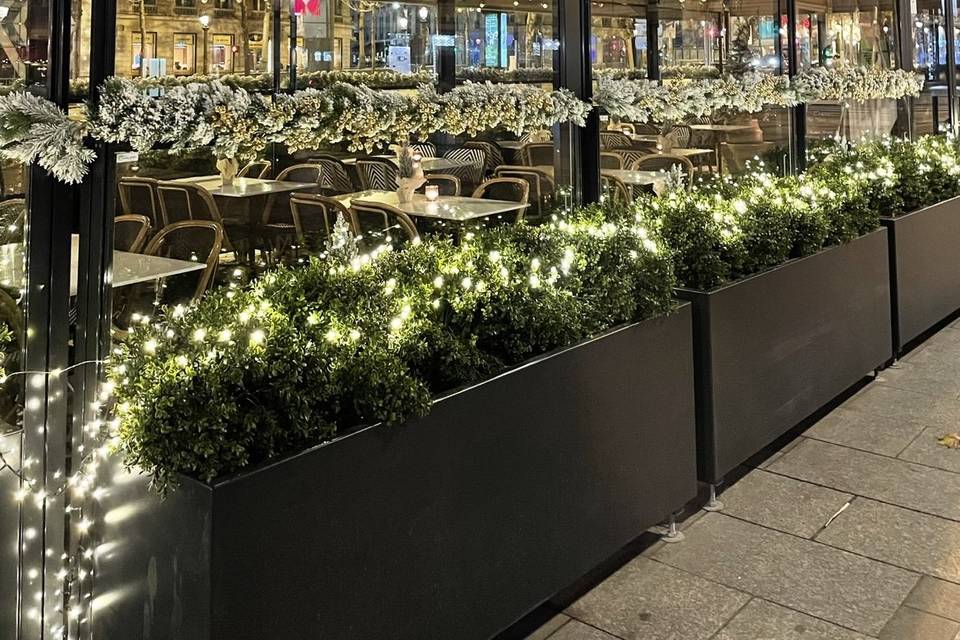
[
  {"x": 936, "y": 356},
  {"x": 790, "y": 445},
  {"x": 900, "y": 404},
  {"x": 549, "y": 627},
  {"x": 890, "y": 480},
  {"x": 911, "y": 624},
  {"x": 879, "y": 434},
  {"x": 576, "y": 630},
  {"x": 925, "y": 450},
  {"x": 782, "y": 503},
  {"x": 647, "y": 600},
  {"x": 922, "y": 379},
  {"x": 813, "y": 578},
  {"x": 909, "y": 539},
  {"x": 762, "y": 620},
  {"x": 936, "y": 596}
]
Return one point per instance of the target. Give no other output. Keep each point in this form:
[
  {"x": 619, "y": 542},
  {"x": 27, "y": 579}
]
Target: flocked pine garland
[
  {"x": 240, "y": 123},
  {"x": 648, "y": 101}
]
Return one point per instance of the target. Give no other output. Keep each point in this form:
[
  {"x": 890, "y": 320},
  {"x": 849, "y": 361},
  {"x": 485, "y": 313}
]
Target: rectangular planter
[
  {"x": 454, "y": 525},
  {"x": 773, "y": 348},
  {"x": 924, "y": 268}
]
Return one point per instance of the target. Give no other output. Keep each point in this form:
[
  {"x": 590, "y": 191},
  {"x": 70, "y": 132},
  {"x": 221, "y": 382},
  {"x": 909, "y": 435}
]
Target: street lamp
[{"x": 205, "y": 23}]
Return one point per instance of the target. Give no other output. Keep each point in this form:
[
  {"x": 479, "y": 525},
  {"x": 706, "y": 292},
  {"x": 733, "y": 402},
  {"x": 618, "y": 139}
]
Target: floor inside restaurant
[{"x": 850, "y": 532}]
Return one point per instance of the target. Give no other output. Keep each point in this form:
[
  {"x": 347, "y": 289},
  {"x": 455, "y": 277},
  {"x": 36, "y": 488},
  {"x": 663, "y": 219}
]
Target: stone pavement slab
[
  {"x": 576, "y": 630},
  {"x": 813, "y": 578},
  {"x": 935, "y": 596},
  {"x": 898, "y": 482},
  {"x": 925, "y": 450},
  {"x": 909, "y": 539},
  {"x": 782, "y": 503},
  {"x": 911, "y": 624},
  {"x": 866, "y": 431},
  {"x": 903, "y": 405},
  {"x": 549, "y": 627},
  {"x": 647, "y": 600},
  {"x": 762, "y": 620},
  {"x": 929, "y": 379}
]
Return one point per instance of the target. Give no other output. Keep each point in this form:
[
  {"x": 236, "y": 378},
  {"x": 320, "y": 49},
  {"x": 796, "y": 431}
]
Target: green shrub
[
  {"x": 727, "y": 229},
  {"x": 897, "y": 176},
  {"x": 302, "y": 354}
]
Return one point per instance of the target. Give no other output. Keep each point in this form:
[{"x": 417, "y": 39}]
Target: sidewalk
[{"x": 851, "y": 532}]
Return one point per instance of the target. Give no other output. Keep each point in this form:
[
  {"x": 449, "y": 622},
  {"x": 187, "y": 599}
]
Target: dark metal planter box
[
  {"x": 454, "y": 525},
  {"x": 773, "y": 348},
  {"x": 924, "y": 268}
]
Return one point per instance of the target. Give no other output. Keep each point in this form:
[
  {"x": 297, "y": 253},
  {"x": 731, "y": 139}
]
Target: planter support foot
[
  {"x": 673, "y": 534},
  {"x": 712, "y": 503}
]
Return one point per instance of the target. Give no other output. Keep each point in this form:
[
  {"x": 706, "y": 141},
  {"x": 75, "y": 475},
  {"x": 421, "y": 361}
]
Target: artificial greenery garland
[
  {"x": 647, "y": 101},
  {"x": 240, "y": 124}
]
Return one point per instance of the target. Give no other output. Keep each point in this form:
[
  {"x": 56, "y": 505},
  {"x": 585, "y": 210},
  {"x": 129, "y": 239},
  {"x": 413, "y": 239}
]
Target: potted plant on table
[{"x": 410, "y": 177}]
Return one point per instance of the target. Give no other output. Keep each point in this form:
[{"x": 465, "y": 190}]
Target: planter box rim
[
  {"x": 890, "y": 218},
  {"x": 784, "y": 265},
  {"x": 354, "y": 431}
]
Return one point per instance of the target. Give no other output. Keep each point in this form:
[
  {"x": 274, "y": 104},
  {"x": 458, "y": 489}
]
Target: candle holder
[{"x": 432, "y": 192}]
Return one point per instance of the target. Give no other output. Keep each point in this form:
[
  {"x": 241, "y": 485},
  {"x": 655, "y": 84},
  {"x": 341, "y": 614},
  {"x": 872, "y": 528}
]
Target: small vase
[
  {"x": 664, "y": 144},
  {"x": 228, "y": 168},
  {"x": 406, "y": 187}
]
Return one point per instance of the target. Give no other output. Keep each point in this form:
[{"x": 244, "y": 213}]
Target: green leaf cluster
[{"x": 723, "y": 230}]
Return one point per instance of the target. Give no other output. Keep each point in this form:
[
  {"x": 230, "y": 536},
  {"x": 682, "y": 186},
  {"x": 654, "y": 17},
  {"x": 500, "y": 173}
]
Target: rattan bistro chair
[
  {"x": 665, "y": 162},
  {"x": 377, "y": 174},
  {"x": 472, "y": 171},
  {"x": 130, "y": 232},
  {"x": 610, "y": 160},
  {"x": 314, "y": 217},
  {"x": 448, "y": 185},
  {"x": 139, "y": 196},
  {"x": 186, "y": 201},
  {"x": 279, "y": 228},
  {"x": 255, "y": 169},
  {"x": 540, "y": 195},
  {"x": 334, "y": 174},
  {"x": 615, "y": 189},
  {"x": 377, "y": 223},
  {"x": 425, "y": 149},
  {"x": 538, "y": 154},
  {"x": 508, "y": 189},
  {"x": 190, "y": 240}
]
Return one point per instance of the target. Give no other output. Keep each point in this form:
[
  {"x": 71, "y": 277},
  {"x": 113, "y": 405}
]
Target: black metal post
[
  {"x": 653, "y": 40},
  {"x": 47, "y": 252},
  {"x": 798, "y": 114},
  {"x": 444, "y": 48},
  {"x": 293, "y": 51},
  {"x": 94, "y": 262},
  {"x": 275, "y": 47},
  {"x": 903, "y": 34},
  {"x": 206, "y": 67},
  {"x": 950, "y": 7},
  {"x": 579, "y": 156}
]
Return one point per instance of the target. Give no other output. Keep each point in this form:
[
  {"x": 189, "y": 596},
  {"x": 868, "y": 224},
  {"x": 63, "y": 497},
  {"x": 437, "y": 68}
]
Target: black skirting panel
[
  {"x": 924, "y": 269},
  {"x": 774, "y": 348}
]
